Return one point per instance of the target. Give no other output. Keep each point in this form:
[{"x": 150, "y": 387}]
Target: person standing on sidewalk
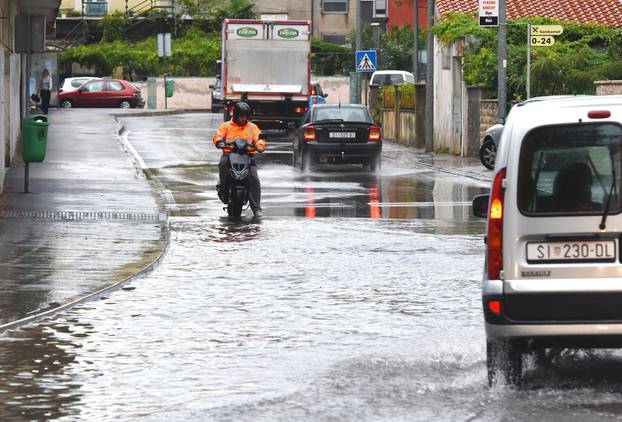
[{"x": 45, "y": 90}]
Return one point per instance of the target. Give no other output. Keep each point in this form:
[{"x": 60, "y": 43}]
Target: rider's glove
[
  {"x": 220, "y": 144},
  {"x": 260, "y": 145}
]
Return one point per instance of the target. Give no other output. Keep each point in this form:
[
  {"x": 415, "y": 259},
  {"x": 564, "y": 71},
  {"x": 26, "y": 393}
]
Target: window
[
  {"x": 380, "y": 8},
  {"x": 387, "y": 79},
  {"x": 334, "y": 6},
  {"x": 97, "y": 86},
  {"x": 570, "y": 169},
  {"x": 115, "y": 86},
  {"x": 335, "y": 38},
  {"x": 347, "y": 114},
  {"x": 77, "y": 83}
]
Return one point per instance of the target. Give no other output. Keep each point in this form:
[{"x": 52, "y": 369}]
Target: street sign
[
  {"x": 164, "y": 44},
  {"x": 365, "y": 61},
  {"x": 542, "y": 41},
  {"x": 488, "y": 12},
  {"x": 539, "y": 30}
]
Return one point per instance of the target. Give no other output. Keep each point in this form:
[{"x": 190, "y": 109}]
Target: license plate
[
  {"x": 590, "y": 251},
  {"x": 342, "y": 134}
]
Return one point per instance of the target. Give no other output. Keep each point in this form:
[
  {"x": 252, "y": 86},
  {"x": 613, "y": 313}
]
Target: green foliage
[
  {"x": 114, "y": 26},
  {"x": 195, "y": 54},
  {"x": 582, "y": 54},
  {"x": 407, "y": 96},
  {"x": 234, "y": 9},
  {"x": 330, "y": 59}
]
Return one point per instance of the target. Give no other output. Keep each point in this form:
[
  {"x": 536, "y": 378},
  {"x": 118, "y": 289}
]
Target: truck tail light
[
  {"x": 300, "y": 110},
  {"x": 374, "y": 134},
  {"x": 309, "y": 133},
  {"x": 495, "y": 227}
]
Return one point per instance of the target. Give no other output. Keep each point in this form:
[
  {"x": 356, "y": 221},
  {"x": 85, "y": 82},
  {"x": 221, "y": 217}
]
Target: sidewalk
[{"x": 90, "y": 221}]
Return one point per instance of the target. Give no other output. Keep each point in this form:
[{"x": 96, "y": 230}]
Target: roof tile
[{"x": 606, "y": 12}]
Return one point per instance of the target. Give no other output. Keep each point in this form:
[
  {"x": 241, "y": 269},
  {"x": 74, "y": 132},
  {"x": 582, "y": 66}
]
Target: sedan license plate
[
  {"x": 342, "y": 134},
  {"x": 590, "y": 251}
]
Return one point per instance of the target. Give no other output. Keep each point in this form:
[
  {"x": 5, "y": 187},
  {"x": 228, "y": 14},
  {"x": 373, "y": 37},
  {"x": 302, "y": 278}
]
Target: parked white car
[
  {"x": 391, "y": 77},
  {"x": 71, "y": 84}
]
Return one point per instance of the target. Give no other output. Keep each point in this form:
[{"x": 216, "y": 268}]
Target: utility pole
[
  {"x": 502, "y": 61},
  {"x": 416, "y": 41},
  {"x": 358, "y": 48},
  {"x": 429, "y": 81}
]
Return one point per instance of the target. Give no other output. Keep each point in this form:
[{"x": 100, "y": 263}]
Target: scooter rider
[{"x": 239, "y": 127}]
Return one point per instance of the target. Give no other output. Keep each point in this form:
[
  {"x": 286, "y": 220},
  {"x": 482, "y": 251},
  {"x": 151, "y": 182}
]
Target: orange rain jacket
[{"x": 231, "y": 130}]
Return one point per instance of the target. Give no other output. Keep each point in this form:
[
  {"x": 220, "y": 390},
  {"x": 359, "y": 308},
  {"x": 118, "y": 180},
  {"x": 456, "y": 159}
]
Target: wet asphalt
[{"x": 355, "y": 297}]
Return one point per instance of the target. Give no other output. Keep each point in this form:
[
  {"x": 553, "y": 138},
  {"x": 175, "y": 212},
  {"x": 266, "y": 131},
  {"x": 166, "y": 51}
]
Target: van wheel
[
  {"x": 504, "y": 360},
  {"x": 488, "y": 153}
]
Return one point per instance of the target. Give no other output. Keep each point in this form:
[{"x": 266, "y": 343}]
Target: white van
[
  {"x": 553, "y": 268},
  {"x": 391, "y": 77}
]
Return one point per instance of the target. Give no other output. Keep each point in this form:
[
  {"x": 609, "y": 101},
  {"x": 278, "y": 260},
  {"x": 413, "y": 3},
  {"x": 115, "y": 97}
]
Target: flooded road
[{"x": 355, "y": 297}]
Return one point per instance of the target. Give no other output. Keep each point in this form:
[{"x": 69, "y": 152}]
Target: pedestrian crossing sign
[{"x": 366, "y": 61}]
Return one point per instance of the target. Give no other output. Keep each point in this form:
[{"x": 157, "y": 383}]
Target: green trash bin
[
  {"x": 170, "y": 87},
  {"x": 34, "y": 138}
]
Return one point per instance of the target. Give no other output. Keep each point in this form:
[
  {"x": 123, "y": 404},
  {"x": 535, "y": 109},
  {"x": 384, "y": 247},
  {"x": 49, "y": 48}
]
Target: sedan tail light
[
  {"x": 374, "y": 134},
  {"x": 309, "y": 133},
  {"x": 495, "y": 227}
]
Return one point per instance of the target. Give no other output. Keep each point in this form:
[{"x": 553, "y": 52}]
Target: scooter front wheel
[{"x": 236, "y": 202}]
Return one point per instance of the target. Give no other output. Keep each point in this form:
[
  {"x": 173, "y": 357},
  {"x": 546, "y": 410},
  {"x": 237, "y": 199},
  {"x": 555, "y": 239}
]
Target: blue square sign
[{"x": 365, "y": 61}]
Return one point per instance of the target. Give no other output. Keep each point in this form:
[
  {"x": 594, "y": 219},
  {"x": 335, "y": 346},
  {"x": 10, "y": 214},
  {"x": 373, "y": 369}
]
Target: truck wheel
[{"x": 504, "y": 360}]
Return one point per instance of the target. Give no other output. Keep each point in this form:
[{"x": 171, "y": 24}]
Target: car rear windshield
[
  {"x": 570, "y": 169},
  {"x": 388, "y": 79},
  {"x": 347, "y": 114}
]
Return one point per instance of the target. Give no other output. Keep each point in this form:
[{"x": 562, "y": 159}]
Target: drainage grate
[{"x": 83, "y": 215}]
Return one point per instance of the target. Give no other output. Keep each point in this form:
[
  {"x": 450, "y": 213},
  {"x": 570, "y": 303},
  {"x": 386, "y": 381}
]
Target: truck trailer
[{"x": 267, "y": 65}]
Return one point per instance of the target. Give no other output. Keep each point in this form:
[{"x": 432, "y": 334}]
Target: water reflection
[
  {"x": 36, "y": 378},
  {"x": 390, "y": 197}
]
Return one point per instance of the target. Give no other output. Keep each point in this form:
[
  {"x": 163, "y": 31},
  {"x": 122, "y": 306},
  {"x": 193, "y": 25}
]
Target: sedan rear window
[
  {"x": 570, "y": 169},
  {"x": 388, "y": 79},
  {"x": 347, "y": 114}
]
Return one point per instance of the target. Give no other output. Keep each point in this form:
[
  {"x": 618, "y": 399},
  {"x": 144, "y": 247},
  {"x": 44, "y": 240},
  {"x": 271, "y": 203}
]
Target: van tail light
[
  {"x": 495, "y": 306},
  {"x": 309, "y": 133},
  {"x": 495, "y": 227},
  {"x": 374, "y": 134}
]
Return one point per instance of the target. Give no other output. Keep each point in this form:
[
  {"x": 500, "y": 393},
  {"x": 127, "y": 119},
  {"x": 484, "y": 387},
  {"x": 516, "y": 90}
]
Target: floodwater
[{"x": 355, "y": 297}]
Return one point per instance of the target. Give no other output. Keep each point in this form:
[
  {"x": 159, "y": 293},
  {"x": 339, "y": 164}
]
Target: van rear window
[{"x": 570, "y": 169}]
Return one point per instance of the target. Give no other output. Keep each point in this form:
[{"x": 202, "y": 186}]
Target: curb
[
  {"x": 162, "y": 112},
  {"x": 164, "y": 238}
]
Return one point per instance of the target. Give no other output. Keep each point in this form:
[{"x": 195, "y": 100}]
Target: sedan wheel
[
  {"x": 125, "y": 104},
  {"x": 66, "y": 104},
  {"x": 487, "y": 154}
]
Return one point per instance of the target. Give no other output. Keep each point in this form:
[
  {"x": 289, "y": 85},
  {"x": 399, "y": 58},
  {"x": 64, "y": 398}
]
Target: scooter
[{"x": 239, "y": 172}]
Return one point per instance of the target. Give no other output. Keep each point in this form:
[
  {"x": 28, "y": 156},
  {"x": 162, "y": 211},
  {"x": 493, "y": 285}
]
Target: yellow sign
[
  {"x": 544, "y": 30},
  {"x": 542, "y": 41}
]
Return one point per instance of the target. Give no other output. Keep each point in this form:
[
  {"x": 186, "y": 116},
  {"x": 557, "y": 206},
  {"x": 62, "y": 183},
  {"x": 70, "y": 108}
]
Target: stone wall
[
  {"x": 608, "y": 87},
  {"x": 195, "y": 93},
  {"x": 488, "y": 115}
]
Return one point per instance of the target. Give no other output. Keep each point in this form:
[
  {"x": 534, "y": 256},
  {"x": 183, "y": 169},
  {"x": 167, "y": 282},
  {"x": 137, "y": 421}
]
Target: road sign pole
[
  {"x": 528, "y": 61},
  {"x": 502, "y": 63}
]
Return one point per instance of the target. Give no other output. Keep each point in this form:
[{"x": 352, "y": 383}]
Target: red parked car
[{"x": 103, "y": 93}]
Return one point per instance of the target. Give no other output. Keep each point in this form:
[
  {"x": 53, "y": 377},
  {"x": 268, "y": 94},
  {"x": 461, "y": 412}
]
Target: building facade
[{"x": 13, "y": 68}]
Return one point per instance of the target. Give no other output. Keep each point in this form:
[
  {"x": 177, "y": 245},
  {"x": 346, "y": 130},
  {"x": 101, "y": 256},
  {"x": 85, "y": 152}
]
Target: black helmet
[{"x": 241, "y": 109}]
